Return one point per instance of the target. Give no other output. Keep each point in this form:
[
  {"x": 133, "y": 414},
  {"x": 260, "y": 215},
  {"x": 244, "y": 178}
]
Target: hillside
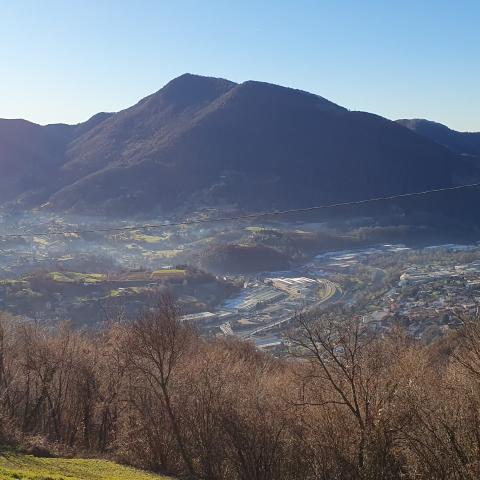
[
  {"x": 27, "y": 467},
  {"x": 459, "y": 142},
  {"x": 207, "y": 141},
  {"x": 31, "y": 156}
]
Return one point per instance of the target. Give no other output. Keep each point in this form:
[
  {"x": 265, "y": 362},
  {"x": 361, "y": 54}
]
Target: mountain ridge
[
  {"x": 459, "y": 142},
  {"x": 209, "y": 141}
]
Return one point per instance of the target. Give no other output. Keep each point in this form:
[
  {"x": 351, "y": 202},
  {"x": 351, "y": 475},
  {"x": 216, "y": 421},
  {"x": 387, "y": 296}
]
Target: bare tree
[
  {"x": 350, "y": 373},
  {"x": 158, "y": 343}
]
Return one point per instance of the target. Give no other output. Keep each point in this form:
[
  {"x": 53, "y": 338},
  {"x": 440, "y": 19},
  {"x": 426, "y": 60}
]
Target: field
[
  {"x": 27, "y": 467},
  {"x": 73, "y": 277},
  {"x": 143, "y": 237}
]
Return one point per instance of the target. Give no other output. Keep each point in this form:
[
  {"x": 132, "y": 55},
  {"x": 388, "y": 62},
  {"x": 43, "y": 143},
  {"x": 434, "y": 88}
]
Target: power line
[{"x": 239, "y": 217}]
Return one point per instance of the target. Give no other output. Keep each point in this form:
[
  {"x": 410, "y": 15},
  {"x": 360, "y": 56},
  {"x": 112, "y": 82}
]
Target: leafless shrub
[{"x": 344, "y": 405}]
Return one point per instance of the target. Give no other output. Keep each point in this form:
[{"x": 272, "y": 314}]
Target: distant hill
[
  {"x": 231, "y": 258},
  {"x": 208, "y": 141},
  {"x": 459, "y": 142}
]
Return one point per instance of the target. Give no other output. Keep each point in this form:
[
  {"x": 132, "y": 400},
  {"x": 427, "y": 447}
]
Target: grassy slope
[{"x": 27, "y": 467}]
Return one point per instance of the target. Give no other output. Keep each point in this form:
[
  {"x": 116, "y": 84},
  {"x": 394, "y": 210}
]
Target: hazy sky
[{"x": 64, "y": 60}]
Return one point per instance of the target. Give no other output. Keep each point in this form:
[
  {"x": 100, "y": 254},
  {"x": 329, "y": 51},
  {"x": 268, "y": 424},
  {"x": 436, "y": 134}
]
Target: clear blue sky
[{"x": 64, "y": 60}]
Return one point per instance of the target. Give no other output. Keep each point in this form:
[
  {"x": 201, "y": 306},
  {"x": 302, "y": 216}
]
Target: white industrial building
[{"x": 293, "y": 286}]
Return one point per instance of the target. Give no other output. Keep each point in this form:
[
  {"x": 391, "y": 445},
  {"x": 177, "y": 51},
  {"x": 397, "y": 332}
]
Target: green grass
[
  {"x": 120, "y": 292},
  {"x": 73, "y": 277},
  {"x": 255, "y": 229},
  {"x": 14, "y": 282},
  {"x": 168, "y": 272},
  {"x": 15, "y": 466},
  {"x": 161, "y": 254},
  {"x": 147, "y": 238}
]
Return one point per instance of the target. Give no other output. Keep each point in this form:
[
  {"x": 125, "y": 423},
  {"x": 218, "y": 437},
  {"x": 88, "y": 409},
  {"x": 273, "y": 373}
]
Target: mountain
[
  {"x": 31, "y": 156},
  {"x": 208, "y": 141},
  {"x": 459, "y": 142}
]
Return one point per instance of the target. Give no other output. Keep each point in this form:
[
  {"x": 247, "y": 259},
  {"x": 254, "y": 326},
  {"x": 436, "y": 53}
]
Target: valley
[
  {"x": 239, "y": 240},
  {"x": 99, "y": 219},
  {"x": 234, "y": 278}
]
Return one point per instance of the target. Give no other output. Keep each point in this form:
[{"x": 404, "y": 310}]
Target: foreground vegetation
[
  {"x": 344, "y": 405},
  {"x": 16, "y": 466}
]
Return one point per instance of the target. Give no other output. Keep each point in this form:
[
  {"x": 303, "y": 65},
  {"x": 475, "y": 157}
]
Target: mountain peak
[
  {"x": 191, "y": 89},
  {"x": 203, "y": 141}
]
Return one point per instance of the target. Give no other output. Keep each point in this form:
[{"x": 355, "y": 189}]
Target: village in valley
[{"x": 94, "y": 276}]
